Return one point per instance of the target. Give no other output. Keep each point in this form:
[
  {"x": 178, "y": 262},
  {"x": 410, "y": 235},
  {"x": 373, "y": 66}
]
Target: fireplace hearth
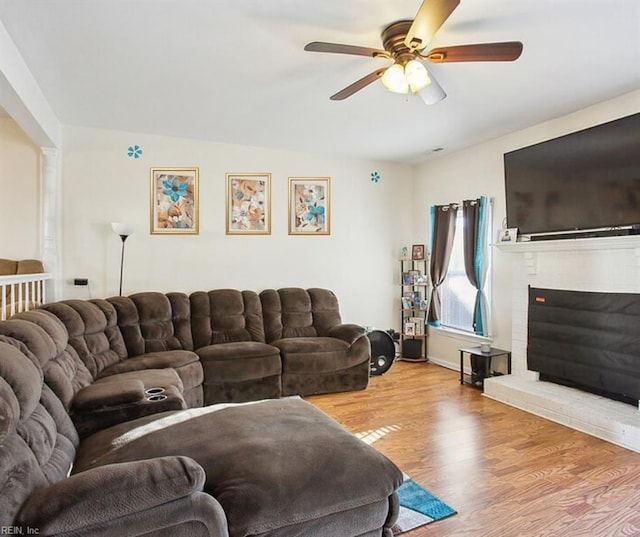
[{"x": 607, "y": 265}]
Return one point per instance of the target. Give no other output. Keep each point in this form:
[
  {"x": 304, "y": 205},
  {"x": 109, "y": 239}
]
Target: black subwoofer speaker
[
  {"x": 412, "y": 348},
  {"x": 383, "y": 352}
]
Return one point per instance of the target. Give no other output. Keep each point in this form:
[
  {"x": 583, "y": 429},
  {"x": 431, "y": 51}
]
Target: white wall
[
  {"x": 479, "y": 171},
  {"x": 19, "y": 184},
  {"x": 101, "y": 184}
]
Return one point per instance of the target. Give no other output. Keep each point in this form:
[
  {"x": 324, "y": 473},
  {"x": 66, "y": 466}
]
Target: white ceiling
[{"x": 235, "y": 70}]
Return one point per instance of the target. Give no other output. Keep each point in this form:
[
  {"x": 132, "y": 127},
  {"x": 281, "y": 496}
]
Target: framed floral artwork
[
  {"x": 174, "y": 201},
  {"x": 248, "y": 203},
  {"x": 309, "y": 206}
]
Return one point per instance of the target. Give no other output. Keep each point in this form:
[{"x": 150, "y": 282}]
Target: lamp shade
[
  {"x": 394, "y": 79},
  {"x": 432, "y": 93},
  {"x": 416, "y": 75},
  {"x": 122, "y": 229}
]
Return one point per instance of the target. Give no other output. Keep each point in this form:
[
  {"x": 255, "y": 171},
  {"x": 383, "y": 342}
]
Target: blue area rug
[{"x": 418, "y": 507}]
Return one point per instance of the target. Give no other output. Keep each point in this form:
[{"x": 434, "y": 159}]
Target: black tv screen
[{"x": 586, "y": 180}]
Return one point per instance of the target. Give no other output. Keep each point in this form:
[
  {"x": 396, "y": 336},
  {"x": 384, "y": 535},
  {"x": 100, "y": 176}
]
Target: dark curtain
[
  {"x": 470, "y": 215},
  {"x": 474, "y": 213},
  {"x": 443, "y": 228}
]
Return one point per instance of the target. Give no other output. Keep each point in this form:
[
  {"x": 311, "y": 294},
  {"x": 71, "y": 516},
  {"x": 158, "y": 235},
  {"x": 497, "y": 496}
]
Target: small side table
[{"x": 481, "y": 365}]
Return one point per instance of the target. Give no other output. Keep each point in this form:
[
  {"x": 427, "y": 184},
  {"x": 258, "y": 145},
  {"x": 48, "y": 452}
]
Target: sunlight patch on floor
[{"x": 372, "y": 435}]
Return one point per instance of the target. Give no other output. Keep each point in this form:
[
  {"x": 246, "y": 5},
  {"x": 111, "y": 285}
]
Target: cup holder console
[{"x": 155, "y": 394}]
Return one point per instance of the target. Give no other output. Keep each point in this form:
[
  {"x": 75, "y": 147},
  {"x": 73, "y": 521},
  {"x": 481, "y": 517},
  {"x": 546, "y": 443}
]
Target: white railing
[{"x": 22, "y": 292}]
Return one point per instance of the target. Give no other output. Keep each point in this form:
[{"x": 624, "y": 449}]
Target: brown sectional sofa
[{"x": 125, "y": 389}]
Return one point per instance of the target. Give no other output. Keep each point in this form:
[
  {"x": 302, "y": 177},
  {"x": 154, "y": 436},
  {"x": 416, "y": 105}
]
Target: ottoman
[{"x": 279, "y": 468}]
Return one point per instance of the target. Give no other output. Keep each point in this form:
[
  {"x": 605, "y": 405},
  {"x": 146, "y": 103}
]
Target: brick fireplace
[{"x": 610, "y": 264}]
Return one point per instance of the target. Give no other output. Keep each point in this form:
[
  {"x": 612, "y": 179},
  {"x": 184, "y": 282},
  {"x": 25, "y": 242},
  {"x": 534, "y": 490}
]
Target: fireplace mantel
[{"x": 625, "y": 242}]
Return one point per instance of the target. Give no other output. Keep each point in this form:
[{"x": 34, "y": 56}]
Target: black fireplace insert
[{"x": 586, "y": 340}]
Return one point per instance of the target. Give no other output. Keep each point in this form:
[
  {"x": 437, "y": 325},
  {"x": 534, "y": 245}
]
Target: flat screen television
[{"x": 586, "y": 180}]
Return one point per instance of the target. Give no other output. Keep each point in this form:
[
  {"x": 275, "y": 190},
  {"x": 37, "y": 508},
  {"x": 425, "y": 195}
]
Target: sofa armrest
[
  {"x": 103, "y": 494},
  {"x": 347, "y": 332},
  {"x": 105, "y": 394}
]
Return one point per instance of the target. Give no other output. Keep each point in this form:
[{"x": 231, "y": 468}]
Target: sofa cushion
[
  {"x": 92, "y": 332},
  {"x": 287, "y": 313},
  {"x": 225, "y": 316},
  {"x": 106, "y": 494},
  {"x": 153, "y": 322},
  {"x": 239, "y": 361},
  {"x": 325, "y": 309},
  {"x": 43, "y": 339},
  {"x": 153, "y": 360},
  {"x": 270, "y": 464},
  {"x": 29, "y": 266},
  {"x": 37, "y": 440},
  {"x": 43, "y": 334},
  {"x": 295, "y": 312},
  {"x": 8, "y": 267},
  {"x": 315, "y": 354}
]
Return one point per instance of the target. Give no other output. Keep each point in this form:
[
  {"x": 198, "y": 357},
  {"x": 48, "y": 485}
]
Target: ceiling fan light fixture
[
  {"x": 394, "y": 79},
  {"x": 416, "y": 75}
]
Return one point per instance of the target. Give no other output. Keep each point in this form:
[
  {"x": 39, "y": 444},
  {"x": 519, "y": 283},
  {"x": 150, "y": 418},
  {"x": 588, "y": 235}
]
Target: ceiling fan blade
[
  {"x": 433, "y": 93},
  {"x": 358, "y": 85},
  {"x": 336, "y": 48},
  {"x": 430, "y": 17},
  {"x": 486, "y": 52}
]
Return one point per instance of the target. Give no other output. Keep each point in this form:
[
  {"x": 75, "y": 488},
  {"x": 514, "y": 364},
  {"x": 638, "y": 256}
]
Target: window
[{"x": 457, "y": 295}]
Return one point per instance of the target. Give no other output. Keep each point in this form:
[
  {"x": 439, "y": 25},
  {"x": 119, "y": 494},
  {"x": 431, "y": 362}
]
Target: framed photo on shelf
[
  {"x": 174, "y": 201},
  {"x": 417, "y": 252},
  {"x": 418, "y": 323},
  {"x": 409, "y": 297},
  {"x": 248, "y": 203},
  {"x": 416, "y": 298},
  {"x": 309, "y": 205},
  {"x": 406, "y": 303},
  {"x": 508, "y": 235},
  {"x": 409, "y": 329}
]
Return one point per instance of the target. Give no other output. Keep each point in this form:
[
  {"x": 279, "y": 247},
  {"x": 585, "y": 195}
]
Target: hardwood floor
[{"x": 507, "y": 473}]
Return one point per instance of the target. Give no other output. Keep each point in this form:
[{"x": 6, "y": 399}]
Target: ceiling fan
[{"x": 404, "y": 42}]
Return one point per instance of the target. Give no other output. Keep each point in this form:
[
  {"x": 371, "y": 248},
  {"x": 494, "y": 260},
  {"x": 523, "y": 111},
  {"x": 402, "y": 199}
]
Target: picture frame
[
  {"x": 508, "y": 235},
  {"x": 406, "y": 303},
  {"x": 174, "y": 201},
  {"x": 248, "y": 203},
  {"x": 309, "y": 205},
  {"x": 416, "y": 298},
  {"x": 417, "y": 252},
  {"x": 418, "y": 323},
  {"x": 409, "y": 329}
]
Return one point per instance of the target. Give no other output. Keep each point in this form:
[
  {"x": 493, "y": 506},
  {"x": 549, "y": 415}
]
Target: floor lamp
[{"x": 124, "y": 231}]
